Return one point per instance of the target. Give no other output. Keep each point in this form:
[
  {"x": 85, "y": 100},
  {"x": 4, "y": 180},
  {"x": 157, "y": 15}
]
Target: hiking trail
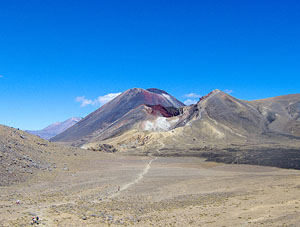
[{"x": 135, "y": 181}]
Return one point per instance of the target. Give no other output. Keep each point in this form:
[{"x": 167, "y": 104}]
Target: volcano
[{"x": 113, "y": 111}]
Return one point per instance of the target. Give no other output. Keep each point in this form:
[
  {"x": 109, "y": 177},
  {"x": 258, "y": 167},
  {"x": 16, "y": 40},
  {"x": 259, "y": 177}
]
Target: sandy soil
[{"x": 153, "y": 192}]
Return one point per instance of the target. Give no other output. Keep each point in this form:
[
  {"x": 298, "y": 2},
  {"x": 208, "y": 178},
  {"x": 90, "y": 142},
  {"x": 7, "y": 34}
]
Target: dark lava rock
[{"x": 288, "y": 158}]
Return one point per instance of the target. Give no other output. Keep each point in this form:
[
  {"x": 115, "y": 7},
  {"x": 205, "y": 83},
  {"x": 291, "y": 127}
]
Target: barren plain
[{"x": 99, "y": 189}]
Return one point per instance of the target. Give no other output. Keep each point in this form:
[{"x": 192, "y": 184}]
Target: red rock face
[{"x": 163, "y": 111}]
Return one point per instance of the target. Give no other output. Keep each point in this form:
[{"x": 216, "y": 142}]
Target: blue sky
[{"x": 52, "y": 52}]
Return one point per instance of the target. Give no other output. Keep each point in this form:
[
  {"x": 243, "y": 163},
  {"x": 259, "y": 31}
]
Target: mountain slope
[
  {"x": 23, "y": 154},
  {"x": 221, "y": 115},
  {"x": 55, "y": 129},
  {"x": 114, "y": 110},
  {"x": 283, "y": 113},
  {"x": 142, "y": 118}
]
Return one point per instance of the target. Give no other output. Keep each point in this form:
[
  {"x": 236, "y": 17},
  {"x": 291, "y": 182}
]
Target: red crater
[{"x": 164, "y": 111}]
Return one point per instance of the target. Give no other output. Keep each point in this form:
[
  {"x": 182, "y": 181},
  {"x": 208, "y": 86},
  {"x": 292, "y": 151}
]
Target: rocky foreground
[{"x": 23, "y": 154}]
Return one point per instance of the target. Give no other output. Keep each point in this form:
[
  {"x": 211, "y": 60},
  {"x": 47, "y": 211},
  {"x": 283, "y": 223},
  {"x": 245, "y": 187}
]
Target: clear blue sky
[{"x": 54, "y": 51}]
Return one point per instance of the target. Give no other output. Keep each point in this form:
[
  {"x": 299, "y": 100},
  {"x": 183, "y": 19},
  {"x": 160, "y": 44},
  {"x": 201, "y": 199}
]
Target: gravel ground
[{"x": 153, "y": 192}]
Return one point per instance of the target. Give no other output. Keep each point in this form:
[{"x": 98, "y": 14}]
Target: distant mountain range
[
  {"x": 217, "y": 116},
  {"x": 218, "y": 127},
  {"x": 55, "y": 129}
]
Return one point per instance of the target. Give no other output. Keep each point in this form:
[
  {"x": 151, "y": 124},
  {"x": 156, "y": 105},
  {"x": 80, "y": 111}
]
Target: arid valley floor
[{"x": 164, "y": 191}]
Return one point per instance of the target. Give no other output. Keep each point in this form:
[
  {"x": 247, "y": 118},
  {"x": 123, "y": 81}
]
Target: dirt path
[{"x": 135, "y": 181}]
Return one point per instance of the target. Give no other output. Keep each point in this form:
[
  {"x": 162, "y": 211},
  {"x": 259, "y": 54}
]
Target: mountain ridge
[{"x": 55, "y": 128}]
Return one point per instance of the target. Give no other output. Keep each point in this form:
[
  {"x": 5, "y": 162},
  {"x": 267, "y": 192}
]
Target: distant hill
[{"x": 55, "y": 129}]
